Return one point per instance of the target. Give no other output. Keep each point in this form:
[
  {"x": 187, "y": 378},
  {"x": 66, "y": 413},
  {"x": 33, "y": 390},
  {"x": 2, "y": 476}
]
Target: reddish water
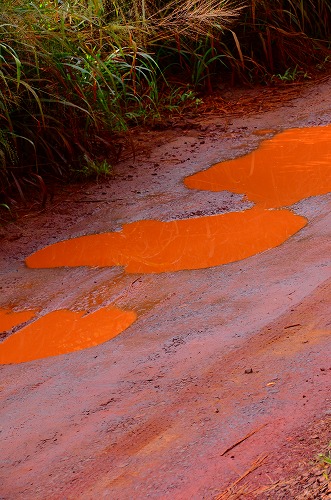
[
  {"x": 291, "y": 166},
  {"x": 154, "y": 247},
  {"x": 64, "y": 331},
  {"x": 9, "y": 319}
]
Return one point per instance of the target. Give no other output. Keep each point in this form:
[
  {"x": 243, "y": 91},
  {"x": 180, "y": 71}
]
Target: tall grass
[
  {"x": 281, "y": 34},
  {"x": 66, "y": 88},
  {"x": 75, "y": 73}
]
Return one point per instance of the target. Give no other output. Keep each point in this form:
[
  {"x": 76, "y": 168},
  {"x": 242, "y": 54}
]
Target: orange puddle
[
  {"x": 291, "y": 166},
  {"x": 64, "y": 331},
  {"x": 150, "y": 246},
  {"x": 9, "y": 319}
]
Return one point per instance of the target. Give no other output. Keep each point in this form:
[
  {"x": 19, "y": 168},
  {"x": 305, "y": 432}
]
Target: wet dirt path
[{"x": 214, "y": 355}]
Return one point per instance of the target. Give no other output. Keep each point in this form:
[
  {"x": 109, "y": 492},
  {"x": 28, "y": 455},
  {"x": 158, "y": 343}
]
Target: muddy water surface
[
  {"x": 291, "y": 166},
  {"x": 63, "y": 331},
  {"x": 155, "y": 247}
]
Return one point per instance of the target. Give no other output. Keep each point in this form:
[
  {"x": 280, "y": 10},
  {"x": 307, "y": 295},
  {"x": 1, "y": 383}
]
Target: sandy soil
[{"x": 232, "y": 355}]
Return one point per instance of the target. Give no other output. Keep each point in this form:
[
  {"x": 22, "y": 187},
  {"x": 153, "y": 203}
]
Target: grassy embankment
[{"x": 74, "y": 74}]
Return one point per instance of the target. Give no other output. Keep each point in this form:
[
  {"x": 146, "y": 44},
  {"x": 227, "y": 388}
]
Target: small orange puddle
[
  {"x": 9, "y": 319},
  {"x": 150, "y": 246},
  {"x": 64, "y": 331},
  {"x": 291, "y": 166}
]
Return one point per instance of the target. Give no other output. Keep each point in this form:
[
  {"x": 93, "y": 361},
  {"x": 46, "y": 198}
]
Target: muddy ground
[{"x": 221, "y": 387}]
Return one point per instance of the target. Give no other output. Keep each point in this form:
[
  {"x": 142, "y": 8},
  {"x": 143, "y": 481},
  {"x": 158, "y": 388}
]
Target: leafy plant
[
  {"x": 326, "y": 458},
  {"x": 290, "y": 75},
  {"x": 95, "y": 168}
]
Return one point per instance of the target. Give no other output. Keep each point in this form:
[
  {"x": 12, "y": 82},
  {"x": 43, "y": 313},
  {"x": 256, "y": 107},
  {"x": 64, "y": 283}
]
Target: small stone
[{"x": 249, "y": 370}]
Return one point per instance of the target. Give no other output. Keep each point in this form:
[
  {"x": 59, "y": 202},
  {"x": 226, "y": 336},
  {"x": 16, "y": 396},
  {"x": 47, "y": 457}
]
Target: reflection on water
[
  {"x": 9, "y": 319},
  {"x": 154, "y": 247},
  {"x": 291, "y": 166},
  {"x": 64, "y": 331}
]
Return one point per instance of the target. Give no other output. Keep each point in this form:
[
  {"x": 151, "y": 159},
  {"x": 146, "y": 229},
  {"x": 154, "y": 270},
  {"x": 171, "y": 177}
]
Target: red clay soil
[{"x": 221, "y": 387}]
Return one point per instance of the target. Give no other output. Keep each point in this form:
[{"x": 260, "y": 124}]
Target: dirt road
[{"x": 225, "y": 370}]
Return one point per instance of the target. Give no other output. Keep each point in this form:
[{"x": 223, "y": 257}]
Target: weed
[
  {"x": 95, "y": 168},
  {"x": 290, "y": 75},
  {"x": 180, "y": 100},
  {"x": 325, "y": 459}
]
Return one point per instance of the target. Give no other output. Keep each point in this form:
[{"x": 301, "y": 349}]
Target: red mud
[{"x": 216, "y": 355}]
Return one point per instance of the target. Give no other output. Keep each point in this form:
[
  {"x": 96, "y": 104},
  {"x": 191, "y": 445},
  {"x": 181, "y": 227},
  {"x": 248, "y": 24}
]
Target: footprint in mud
[
  {"x": 59, "y": 332},
  {"x": 291, "y": 166}
]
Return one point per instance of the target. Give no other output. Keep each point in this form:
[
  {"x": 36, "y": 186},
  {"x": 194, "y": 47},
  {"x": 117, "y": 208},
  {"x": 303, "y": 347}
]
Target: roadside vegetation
[{"x": 76, "y": 74}]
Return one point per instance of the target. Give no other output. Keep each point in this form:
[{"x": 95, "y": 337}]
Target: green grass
[
  {"x": 76, "y": 74},
  {"x": 66, "y": 91}
]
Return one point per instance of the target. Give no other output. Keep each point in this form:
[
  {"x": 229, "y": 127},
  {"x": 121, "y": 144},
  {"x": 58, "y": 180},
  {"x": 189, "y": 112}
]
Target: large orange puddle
[
  {"x": 64, "y": 331},
  {"x": 154, "y": 247},
  {"x": 291, "y": 166}
]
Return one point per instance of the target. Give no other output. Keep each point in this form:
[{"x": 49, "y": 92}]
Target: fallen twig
[
  {"x": 241, "y": 440},
  {"x": 89, "y": 201}
]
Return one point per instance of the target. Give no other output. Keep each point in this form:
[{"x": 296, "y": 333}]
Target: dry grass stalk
[{"x": 232, "y": 492}]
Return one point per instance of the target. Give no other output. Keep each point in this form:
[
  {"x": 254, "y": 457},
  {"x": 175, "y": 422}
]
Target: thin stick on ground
[{"x": 242, "y": 439}]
